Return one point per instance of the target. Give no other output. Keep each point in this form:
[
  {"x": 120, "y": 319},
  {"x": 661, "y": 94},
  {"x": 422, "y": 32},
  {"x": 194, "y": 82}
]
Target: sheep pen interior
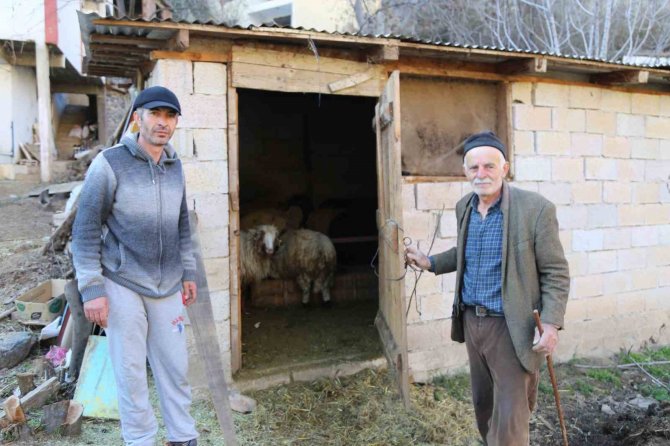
[{"x": 312, "y": 160}]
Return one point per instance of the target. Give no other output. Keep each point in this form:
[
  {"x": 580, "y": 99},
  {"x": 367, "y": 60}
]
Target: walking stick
[{"x": 554, "y": 385}]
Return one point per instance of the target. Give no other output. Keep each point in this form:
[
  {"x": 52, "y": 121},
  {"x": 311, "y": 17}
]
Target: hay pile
[{"x": 358, "y": 410}]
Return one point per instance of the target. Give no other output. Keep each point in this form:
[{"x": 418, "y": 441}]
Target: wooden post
[
  {"x": 26, "y": 382},
  {"x": 44, "y": 109}
]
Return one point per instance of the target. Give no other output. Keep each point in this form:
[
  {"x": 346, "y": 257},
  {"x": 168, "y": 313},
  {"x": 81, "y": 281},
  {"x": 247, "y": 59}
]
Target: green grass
[
  {"x": 660, "y": 371},
  {"x": 605, "y": 376},
  {"x": 545, "y": 388},
  {"x": 584, "y": 387}
]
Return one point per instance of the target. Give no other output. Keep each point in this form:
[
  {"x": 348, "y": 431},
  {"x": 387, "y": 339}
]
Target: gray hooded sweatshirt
[{"x": 132, "y": 223}]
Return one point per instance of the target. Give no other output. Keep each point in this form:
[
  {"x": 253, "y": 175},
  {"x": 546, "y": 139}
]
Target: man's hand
[
  {"x": 546, "y": 344},
  {"x": 189, "y": 293},
  {"x": 97, "y": 310},
  {"x": 414, "y": 257}
]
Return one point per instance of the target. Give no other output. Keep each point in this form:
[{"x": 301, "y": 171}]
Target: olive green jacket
[{"x": 534, "y": 269}]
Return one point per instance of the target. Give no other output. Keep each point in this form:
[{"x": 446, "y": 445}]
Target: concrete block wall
[
  {"x": 603, "y": 157},
  {"x": 201, "y": 142}
]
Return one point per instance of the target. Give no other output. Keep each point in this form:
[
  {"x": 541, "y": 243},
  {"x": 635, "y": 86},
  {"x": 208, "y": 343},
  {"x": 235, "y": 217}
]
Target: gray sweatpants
[{"x": 138, "y": 328}]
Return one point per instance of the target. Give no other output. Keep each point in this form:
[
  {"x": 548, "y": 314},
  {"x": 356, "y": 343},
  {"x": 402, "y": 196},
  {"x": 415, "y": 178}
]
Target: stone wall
[
  {"x": 201, "y": 142},
  {"x": 603, "y": 157}
]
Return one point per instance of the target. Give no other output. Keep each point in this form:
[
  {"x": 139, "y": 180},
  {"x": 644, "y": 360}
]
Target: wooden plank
[
  {"x": 38, "y": 396},
  {"x": 26, "y": 153},
  {"x": 140, "y": 42},
  {"x": 351, "y": 81},
  {"x": 66, "y": 87},
  {"x": 27, "y": 59},
  {"x": 295, "y": 81},
  {"x": 279, "y": 56},
  {"x": 291, "y": 72},
  {"x": 531, "y": 65},
  {"x": 415, "y": 179},
  {"x": 234, "y": 230},
  {"x": 190, "y": 55},
  {"x": 180, "y": 41},
  {"x": 393, "y": 332},
  {"x": 207, "y": 342},
  {"x": 477, "y": 71},
  {"x": 621, "y": 77},
  {"x": 505, "y": 128}
]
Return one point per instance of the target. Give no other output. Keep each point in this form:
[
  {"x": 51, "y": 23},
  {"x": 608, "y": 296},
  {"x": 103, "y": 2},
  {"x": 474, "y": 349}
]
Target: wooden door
[{"x": 391, "y": 320}]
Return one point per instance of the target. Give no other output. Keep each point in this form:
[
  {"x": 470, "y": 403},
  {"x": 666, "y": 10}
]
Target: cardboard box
[{"x": 42, "y": 304}]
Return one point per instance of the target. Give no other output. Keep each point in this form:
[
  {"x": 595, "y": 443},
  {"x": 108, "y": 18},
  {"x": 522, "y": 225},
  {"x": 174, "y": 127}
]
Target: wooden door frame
[{"x": 235, "y": 287}]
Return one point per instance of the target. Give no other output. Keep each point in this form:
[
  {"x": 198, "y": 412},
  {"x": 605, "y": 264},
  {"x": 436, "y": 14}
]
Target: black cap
[
  {"x": 484, "y": 139},
  {"x": 155, "y": 97}
]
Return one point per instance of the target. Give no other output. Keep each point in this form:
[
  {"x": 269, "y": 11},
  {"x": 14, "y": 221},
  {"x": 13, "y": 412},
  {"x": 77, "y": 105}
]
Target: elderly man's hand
[
  {"x": 546, "y": 344},
  {"x": 414, "y": 257}
]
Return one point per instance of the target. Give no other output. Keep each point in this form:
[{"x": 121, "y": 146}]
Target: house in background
[{"x": 51, "y": 109}]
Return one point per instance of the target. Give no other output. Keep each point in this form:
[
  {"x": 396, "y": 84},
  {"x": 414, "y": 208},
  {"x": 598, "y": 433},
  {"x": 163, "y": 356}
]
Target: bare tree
[{"x": 602, "y": 29}]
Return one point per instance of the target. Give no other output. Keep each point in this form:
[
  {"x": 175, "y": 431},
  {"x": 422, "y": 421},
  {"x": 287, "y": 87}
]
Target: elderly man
[
  {"x": 136, "y": 271},
  {"x": 508, "y": 262}
]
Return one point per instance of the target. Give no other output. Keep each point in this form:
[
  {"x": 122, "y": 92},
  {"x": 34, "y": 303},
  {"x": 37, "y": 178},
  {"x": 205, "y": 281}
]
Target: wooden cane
[{"x": 554, "y": 385}]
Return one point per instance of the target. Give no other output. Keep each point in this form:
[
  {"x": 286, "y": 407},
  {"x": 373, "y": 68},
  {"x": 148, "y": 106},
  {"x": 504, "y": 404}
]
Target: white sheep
[
  {"x": 257, "y": 245},
  {"x": 308, "y": 257}
]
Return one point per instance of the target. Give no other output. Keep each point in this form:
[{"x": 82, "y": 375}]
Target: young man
[
  {"x": 509, "y": 261},
  {"x": 132, "y": 254}
]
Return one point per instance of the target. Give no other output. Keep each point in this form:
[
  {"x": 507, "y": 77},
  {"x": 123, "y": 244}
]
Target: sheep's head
[{"x": 267, "y": 239}]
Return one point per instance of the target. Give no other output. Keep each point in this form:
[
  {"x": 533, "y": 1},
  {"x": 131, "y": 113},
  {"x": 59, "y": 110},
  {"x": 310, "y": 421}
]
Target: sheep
[
  {"x": 257, "y": 245},
  {"x": 308, "y": 257}
]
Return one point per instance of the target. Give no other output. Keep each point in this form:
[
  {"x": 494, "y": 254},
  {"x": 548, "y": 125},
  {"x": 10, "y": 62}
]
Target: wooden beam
[
  {"x": 125, "y": 49},
  {"x": 386, "y": 53},
  {"x": 67, "y": 87},
  {"x": 523, "y": 66},
  {"x": 38, "y": 396},
  {"x": 180, "y": 41},
  {"x": 621, "y": 77},
  {"x": 190, "y": 55},
  {"x": 350, "y": 81},
  {"x": 141, "y": 42},
  {"x": 234, "y": 229},
  {"x": 27, "y": 59}
]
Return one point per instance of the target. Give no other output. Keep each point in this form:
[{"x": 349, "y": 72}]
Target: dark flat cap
[
  {"x": 484, "y": 139},
  {"x": 155, "y": 97}
]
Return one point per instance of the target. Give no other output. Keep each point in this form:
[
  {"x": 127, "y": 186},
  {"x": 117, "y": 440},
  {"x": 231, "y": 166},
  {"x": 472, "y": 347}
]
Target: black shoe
[{"x": 193, "y": 442}]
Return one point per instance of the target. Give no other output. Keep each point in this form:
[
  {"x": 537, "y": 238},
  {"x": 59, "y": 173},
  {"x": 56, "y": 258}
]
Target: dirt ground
[{"x": 362, "y": 409}]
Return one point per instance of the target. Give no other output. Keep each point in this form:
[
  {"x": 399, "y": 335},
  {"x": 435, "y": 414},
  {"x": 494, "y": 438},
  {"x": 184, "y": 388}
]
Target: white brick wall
[
  {"x": 201, "y": 142},
  {"x": 603, "y": 157}
]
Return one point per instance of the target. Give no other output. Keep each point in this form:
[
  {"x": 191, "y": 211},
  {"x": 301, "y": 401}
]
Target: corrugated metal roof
[{"x": 86, "y": 21}]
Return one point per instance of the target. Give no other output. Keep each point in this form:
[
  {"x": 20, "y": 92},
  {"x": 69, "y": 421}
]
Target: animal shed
[{"x": 364, "y": 133}]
